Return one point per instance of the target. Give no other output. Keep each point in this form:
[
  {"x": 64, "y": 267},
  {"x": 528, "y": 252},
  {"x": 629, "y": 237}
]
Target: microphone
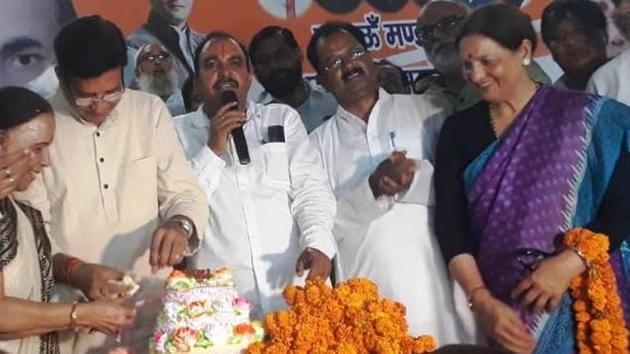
[{"x": 237, "y": 133}]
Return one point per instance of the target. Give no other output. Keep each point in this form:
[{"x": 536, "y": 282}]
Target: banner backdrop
[{"x": 27, "y": 27}]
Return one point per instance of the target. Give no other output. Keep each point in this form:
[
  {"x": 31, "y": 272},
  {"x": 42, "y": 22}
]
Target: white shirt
[
  {"x": 613, "y": 79},
  {"x": 391, "y": 240},
  {"x": 262, "y": 215},
  {"x": 175, "y": 103},
  {"x": 320, "y": 105},
  {"x": 108, "y": 187}
]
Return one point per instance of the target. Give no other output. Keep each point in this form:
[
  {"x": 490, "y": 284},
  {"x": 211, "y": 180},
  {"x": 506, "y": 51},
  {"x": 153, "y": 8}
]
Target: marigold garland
[
  {"x": 597, "y": 306},
  {"x": 350, "y": 319}
]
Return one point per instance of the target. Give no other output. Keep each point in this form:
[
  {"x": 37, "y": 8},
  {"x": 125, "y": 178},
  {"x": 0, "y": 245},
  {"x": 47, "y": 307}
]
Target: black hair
[
  {"x": 89, "y": 46},
  {"x": 213, "y": 36},
  {"x": 503, "y": 23},
  {"x": 589, "y": 16},
  {"x": 65, "y": 11},
  {"x": 187, "y": 94},
  {"x": 271, "y": 31},
  {"x": 327, "y": 29},
  {"x": 19, "y": 105}
]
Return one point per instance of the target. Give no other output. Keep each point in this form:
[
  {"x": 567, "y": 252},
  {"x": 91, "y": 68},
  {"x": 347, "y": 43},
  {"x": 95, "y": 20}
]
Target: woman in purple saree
[{"x": 513, "y": 174}]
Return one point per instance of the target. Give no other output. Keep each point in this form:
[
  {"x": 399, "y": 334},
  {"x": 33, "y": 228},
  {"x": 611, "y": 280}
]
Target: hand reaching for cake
[
  {"x": 108, "y": 317},
  {"x": 101, "y": 283},
  {"x": 318, "y": 263}
]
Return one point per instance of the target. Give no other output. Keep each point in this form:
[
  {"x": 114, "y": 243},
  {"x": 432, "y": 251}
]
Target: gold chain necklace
[{"x": 493, "y": 122}]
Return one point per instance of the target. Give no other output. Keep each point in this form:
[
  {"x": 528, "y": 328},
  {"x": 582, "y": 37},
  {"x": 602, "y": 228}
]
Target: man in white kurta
[
  {"x": 613, "y": 79},
  {"x": 385, "y": 237},
  {"x": 266, "y": 214},
  {"x": 118, "y": 189}
]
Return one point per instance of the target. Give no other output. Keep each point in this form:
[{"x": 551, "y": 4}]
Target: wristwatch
[{"x": 186, "y": 225}]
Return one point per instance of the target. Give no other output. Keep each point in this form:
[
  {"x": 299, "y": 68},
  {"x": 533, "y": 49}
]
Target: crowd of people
[{"x": 451, "y": 193}]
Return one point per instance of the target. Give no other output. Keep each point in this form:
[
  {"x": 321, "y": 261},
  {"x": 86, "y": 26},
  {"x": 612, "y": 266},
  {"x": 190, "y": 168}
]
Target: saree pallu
[{"x": 547, "y": 174}]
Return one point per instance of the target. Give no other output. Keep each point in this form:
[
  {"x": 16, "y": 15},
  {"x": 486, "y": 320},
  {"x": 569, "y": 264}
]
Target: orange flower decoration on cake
[{"x": 350, "y": 319}]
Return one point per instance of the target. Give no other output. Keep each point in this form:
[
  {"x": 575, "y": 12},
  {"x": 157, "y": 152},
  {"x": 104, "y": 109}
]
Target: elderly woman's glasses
[
  {"x": 336, "y": 62},
  {"x": 109, "y": 98},
  {"x": 440, "y": 28}
]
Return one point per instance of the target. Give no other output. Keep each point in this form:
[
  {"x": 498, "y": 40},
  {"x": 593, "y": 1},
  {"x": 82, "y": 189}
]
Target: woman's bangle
[
  {"x": 69, "y": 267},
  {"x": 73, "y": 317},
  {"x": 579, "y": 253},
  {"x": 472, "y": 293}
]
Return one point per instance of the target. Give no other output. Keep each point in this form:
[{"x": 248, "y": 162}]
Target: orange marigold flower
[
  {"x": 597, "y": 306},
  {"x": 350, "y": 319}
]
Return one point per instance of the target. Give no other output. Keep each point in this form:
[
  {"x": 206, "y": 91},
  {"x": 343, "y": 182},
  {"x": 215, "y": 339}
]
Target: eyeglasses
[
  {"x": 440, "y": 28},
  {"x": 109, "y": 98},
  {"x": 336, "y": 62},
  {"x": 162, "y": 56}
]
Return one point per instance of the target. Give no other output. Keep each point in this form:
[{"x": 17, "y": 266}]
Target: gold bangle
[
  {"x": 579, "y": 253},
  {"x": 472, "y": 293},
  {"x": 73, "y": 317}
]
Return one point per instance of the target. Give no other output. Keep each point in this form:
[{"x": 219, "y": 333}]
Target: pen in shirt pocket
[{"x": 392, "y": 140}]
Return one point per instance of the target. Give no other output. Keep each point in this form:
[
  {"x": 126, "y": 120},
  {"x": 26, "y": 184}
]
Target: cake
[{"x": 203, "y": 313}]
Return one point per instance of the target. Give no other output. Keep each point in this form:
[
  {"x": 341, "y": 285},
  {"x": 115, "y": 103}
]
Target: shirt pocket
[
  {"x": 410, "y": 141},
  {"x": 139, "y": 185},
  {"x": 276, "y": 164}
]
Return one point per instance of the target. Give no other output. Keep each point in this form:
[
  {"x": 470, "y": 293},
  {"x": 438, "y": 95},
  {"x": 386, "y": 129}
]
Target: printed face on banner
[
  {"x": 223, "y": 67},
  {"x": 346, "y": 68},
  {"x": 27, "y": 31},
  {"x": 176, "y": 12}
]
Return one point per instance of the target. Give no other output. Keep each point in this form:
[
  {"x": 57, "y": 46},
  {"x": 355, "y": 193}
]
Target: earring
[{"x": 527, "y": 61}]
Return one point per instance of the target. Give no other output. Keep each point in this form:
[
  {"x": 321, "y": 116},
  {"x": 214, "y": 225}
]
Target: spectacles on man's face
[
  {"x": 162, "y": 56},
  {"x": 442, "y": 27},
  {"x": 112, "y": 97},
  {"x": 336, "y": 62}
]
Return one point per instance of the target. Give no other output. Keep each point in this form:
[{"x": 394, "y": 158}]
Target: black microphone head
[{"x": 228, "y": 96}]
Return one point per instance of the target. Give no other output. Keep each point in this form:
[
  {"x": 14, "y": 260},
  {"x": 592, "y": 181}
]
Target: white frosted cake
[{"x": 203, "y": 313}]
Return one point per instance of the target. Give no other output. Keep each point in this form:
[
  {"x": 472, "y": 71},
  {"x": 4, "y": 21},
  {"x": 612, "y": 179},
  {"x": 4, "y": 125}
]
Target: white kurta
[
  {"x": 262, "y": 215},
  {"x": 613, "y": 79},
  {"x": 22, "y": 280},
  {"x": 391, "y": 240}
]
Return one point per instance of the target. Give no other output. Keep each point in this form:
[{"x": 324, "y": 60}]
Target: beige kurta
[
  {"x": 22, "y": 280},
  {"x": 108, "y": 187}
]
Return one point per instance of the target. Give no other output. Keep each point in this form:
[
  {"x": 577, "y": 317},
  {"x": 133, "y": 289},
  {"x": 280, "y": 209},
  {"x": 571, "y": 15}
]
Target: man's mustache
[{"x": 223, "y": 82}]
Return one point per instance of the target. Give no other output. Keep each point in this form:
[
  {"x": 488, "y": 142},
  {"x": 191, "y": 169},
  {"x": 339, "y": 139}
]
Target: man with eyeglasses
[
  {"x": 436, "y": 31},
  {"x": 118, "y": 190},
  {"x": 155, "y": 74},
  {"x": 168, "y": 24},
  {"x": 378, "y": 151},
  {"x": 277, "y": 61}
]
